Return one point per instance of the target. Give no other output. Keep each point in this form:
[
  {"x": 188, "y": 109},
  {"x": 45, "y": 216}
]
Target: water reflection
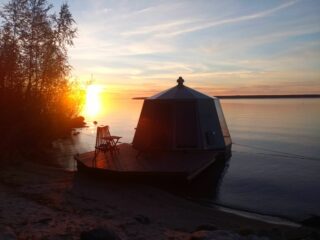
[{"x": 207, "y": 186}]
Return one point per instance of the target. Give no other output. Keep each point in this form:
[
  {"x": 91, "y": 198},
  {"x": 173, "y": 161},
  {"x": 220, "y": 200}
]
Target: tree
[{"x": 36, "y": 97}]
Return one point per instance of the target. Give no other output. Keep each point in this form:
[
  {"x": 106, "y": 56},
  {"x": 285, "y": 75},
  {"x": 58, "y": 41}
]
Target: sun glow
[{"x": 93, "y": 102}]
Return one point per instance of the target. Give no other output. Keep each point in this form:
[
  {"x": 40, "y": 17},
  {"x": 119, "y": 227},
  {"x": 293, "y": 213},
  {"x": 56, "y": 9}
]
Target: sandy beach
[{"x": 44, "y": 202}]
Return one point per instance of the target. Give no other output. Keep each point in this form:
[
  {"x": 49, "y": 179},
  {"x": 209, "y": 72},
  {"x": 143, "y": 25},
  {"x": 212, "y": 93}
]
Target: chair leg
[{"x": 94, "y": 160}]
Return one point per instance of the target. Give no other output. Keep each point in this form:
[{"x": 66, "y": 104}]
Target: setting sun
[{"x": 93, "y": 103}]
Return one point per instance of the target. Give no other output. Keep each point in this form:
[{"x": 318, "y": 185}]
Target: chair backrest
[{"x": 102, "y": 132}]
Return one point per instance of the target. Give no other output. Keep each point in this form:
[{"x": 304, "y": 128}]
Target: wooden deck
[{"x": 185, "y": 165}]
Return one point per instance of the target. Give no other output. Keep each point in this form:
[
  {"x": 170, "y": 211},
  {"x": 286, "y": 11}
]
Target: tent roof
[{"x": 179, "y": 92}]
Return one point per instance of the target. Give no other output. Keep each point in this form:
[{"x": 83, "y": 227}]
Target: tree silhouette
[{"x": 37, "y": 101}]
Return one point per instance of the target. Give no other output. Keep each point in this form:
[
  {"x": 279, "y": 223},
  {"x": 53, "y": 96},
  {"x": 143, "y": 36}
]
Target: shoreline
[
  {"x": 273, "y": 219},
  {"x": 48, "y": 196},
  {"x": 259, "y": 216},
  {"x": 246, "y": 213}
]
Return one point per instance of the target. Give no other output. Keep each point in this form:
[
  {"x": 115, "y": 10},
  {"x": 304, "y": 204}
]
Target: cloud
[
  {"x": 205, "y": 25},
  {"x": 114, "y": 71},
  {"x": 163, "y": 27}
]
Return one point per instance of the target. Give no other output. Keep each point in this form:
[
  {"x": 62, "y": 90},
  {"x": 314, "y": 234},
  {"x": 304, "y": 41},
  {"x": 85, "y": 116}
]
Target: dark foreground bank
[{"x": 41, "y": 202}]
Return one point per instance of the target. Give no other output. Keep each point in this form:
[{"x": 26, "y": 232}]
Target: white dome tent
[{"x": 181, "y": 119}]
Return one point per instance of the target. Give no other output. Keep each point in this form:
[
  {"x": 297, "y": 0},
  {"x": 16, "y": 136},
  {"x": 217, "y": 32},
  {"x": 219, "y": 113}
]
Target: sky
[{"x": 138, "y": 48}]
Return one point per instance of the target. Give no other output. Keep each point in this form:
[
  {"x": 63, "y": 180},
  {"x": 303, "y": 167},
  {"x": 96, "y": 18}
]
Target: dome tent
[{"x": 181, "y": 118}]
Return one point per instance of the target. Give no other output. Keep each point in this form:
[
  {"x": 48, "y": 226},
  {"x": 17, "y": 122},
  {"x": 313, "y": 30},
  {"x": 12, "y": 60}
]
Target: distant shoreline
[{"x": 257, "y": 96}]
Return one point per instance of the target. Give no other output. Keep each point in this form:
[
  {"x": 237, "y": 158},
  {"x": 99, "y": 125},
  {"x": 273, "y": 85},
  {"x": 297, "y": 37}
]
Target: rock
[
  {"x": 274, "y": 234},
  {"x": 224, "y": 235},
  {"x": 215, "y": 235},
  {"x": 6, "y": 233},
  {"x": 60, "y": 237},
  {"x": 208, "y": 227},
  {"x": 142, "y": 219},
  {"x": 200, "y": 235},
  {"x": 313, "y": 221},
  {"x": 99, "y": 234},
  {"x": 44, "y": 221},
  {"x": 245, "y": 231},
  {"x": 77, "y": 122}
]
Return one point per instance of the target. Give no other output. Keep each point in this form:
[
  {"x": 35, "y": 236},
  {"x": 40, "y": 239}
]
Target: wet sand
[{"x": 42, "y": 202}]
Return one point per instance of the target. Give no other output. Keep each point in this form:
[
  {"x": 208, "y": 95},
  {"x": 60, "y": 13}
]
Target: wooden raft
[{"x": 163, "y": 165}]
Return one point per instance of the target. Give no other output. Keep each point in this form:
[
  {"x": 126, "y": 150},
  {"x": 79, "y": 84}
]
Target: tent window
[{"x": 222, "y": 120}]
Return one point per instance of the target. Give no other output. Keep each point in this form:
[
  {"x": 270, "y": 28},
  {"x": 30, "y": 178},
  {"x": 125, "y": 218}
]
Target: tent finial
[{"x": 180, "y": 81}]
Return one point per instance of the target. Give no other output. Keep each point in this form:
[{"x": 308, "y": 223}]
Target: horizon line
[{"x": 262, "y": 96}]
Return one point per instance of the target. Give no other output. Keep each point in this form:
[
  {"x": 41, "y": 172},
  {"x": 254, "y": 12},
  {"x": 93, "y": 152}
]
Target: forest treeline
[{"x": 37, "y": 100}]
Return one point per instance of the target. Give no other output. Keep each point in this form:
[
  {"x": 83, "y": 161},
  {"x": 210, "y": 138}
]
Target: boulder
[
  {"x": 6, "y": 233},
  {"x": 215, "y": 235},
  {"x": 313, "y": 221},
  {"x": 77, "y": 122},
  {"x": 142, "y": 219},
  {"x": 208, "y": 227},
  {"x": 99, "y": 234}
]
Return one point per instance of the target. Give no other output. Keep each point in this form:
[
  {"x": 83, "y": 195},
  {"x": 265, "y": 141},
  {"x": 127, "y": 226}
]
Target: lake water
[{"x": 275, "y": 163}]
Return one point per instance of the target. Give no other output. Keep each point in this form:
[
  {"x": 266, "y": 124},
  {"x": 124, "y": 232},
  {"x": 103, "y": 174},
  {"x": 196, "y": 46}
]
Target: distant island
[{"x": 257, "y": 96}]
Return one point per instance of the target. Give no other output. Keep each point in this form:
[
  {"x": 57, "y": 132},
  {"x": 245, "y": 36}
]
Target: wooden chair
[
  {"x": 101, "y": 142},
  {"x": 105, "y": 142}
]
